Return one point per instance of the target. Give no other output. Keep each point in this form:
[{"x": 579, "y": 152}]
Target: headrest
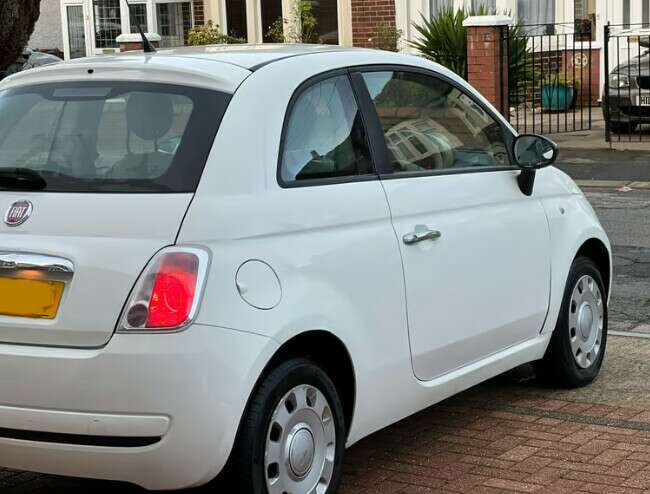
[{"x": 149, "y": 115}]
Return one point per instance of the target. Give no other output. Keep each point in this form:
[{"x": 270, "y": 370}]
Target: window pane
[
  {"x": 108, "y": 23},
  {"x": 489, "y": 5},
  {"x": 138, "y": 16},
  {"x": 271, "y": 12},
  {"x": 429, "y": 124},
  {"x": 646, "y": 14},
  {"x": 327, "y": 18},
  {"x": 325, "y": 137},
  {"x": 537, "y": 12},
  {"x": 236, "y": 16},
  {"x": 174, "y": 23},
  {"x": 626, "y": 13},
  {"x": 437, "y": 5},
  {"x": 110, "y": 136}
]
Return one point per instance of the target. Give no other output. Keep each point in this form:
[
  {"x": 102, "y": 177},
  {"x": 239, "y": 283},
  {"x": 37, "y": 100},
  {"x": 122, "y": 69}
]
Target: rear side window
[
  {"x": 110, "y": 137},
  {"x": 324, "y": 135}
]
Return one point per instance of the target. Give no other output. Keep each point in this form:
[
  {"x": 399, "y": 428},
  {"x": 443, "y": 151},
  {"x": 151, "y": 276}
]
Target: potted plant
[{"x": 558, "y": 93}]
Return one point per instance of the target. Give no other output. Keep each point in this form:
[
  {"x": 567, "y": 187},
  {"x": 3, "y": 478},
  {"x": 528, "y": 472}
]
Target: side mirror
[{"x": 532, "y": 152}]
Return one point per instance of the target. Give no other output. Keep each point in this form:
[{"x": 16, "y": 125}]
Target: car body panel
[{"x": 109, "y": 240}]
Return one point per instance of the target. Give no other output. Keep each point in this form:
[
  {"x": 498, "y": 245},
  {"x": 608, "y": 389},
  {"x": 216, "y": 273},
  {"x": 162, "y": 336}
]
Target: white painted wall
[{"x": 48, "y": 32}]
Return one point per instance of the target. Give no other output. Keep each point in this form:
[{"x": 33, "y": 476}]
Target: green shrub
[
  {"x": 386, "y": 37},
  {"x": 443, "y": 39},
  {"x": 210, "y": 34}
]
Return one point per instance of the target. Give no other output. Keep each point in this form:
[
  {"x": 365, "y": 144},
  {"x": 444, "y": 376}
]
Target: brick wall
[
  {"x": 366, "y": 16},
  {"x": 485, "y": 47},
  {"x": 199, "y": 13}
]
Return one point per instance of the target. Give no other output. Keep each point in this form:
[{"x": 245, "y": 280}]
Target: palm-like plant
[{"x": 443, "y": 39}]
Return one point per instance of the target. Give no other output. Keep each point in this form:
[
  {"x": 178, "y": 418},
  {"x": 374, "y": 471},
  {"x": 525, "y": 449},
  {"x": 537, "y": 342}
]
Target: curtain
[
  {"x": 491, "y": 5},
  {"x": 536, "y": 12},
  {"x": 436, "y": 5}
]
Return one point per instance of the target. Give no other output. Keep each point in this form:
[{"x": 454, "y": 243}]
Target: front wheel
[
  {"x": 293, "y": 435},
  {"x": 577, "y": 348}
]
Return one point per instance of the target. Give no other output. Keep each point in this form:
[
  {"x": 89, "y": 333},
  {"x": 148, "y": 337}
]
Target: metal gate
[
  {"x": 551, "y": 85},
  {"x": 626, "y": 101}
]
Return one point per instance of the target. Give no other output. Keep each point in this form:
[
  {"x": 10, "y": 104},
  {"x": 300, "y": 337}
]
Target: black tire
[
  {"x": 247, "y": 469},
  {"x": 559, "y": 367},
  {"x": 622, "y": 127}
]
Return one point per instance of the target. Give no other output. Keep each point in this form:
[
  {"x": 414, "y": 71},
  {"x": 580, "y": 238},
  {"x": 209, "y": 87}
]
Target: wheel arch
[
  {"x": 329, "y": 352},
  {"x": 596, "y": 250}
]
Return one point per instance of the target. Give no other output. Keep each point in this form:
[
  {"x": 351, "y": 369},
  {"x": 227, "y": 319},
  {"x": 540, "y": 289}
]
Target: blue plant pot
[{"x": 557, "y": 97}]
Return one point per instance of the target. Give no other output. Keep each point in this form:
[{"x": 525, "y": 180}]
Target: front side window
[
  {"x": 430, "y": 124},
  {"x": 108, "y": 23},
  {"x": 325, "y": 136},
  {"x": 110, "y": 136}
]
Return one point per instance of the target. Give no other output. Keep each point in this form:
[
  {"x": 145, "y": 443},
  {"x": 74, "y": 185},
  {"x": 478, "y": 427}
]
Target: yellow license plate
[{"x": 37, "y": 299}]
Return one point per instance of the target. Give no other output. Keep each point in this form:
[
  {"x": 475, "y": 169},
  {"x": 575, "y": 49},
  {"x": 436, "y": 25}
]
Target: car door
[{"x": 475, "y": 250}]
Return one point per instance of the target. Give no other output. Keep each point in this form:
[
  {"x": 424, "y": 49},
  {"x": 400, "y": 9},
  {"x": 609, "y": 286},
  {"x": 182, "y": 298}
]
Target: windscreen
[{"x": 110, "y": 136}]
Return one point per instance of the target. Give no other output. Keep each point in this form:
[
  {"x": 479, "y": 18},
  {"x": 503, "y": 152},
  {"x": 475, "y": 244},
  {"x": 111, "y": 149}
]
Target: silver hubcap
[
  {"x": 586, "y": 320},
  {"x": 300, "y": 444}
]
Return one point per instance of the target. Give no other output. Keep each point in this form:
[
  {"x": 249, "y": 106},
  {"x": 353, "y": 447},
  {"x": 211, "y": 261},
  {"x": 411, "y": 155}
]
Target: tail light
[{"x": 167, "y": 294}]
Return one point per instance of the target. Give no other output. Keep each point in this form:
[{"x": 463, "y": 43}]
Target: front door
[
  {"x": 76, "y": 31},
  {"x": 475, "y": 250}
]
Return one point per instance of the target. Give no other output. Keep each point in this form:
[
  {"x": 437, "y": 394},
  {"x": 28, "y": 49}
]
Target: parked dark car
[
  {"x": 30, "y": 59},
  {"x": 628, "y": 105}
]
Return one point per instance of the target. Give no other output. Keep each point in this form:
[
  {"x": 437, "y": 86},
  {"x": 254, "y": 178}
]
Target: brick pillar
[
  {"x": 487, "y": 57},
  {"x": 367, "y": 15}
]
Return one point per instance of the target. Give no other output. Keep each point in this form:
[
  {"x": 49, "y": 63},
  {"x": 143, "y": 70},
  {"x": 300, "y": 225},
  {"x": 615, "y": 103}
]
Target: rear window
[{"x": 110, "y": 137}]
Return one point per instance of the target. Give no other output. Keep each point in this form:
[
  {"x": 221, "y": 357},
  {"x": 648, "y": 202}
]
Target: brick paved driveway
[{"x": 509, "y": 435}]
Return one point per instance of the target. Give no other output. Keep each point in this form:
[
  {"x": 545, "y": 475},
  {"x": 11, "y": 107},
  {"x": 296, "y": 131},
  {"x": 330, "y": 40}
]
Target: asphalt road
[{"x": 626, "y": 218}]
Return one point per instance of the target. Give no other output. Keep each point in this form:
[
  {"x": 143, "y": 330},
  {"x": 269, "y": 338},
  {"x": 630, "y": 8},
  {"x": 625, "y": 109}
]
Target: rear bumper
[{"x": 160, "y": 411}]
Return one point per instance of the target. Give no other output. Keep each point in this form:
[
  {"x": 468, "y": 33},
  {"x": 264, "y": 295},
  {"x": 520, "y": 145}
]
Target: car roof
[
  {"x": 251, "y": 56},
  {"x": 220, "y": 67}
]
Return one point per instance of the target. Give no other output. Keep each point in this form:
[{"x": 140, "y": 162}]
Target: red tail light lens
[
  {"x": 166, "y": 296},
  {"x": 173, "y": 290}
]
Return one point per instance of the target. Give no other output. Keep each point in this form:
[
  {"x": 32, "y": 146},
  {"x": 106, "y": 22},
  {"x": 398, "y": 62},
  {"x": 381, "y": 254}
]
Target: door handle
[{"x": 420, "y": 236}]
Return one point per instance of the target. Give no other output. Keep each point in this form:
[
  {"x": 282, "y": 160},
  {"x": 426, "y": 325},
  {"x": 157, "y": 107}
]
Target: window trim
[
  {"x": 313, "y": 182},
  {"x": 384, "y": 166}
]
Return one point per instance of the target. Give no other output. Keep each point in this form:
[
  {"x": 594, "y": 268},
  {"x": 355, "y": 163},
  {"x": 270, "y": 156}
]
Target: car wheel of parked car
[
  {"x": 577, "y": 347},
  {"x": 293, "y": 435},
  {"x": 622, "y": 127}
]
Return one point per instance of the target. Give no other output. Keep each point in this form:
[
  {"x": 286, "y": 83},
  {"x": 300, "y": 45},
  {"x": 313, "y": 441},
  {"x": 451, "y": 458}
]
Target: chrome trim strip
[{"x": 21, "y": 265}]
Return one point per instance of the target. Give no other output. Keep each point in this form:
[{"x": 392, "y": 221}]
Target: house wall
[
  {"x": 48, "y": 33},
  {"x": 367, "y": 16}
]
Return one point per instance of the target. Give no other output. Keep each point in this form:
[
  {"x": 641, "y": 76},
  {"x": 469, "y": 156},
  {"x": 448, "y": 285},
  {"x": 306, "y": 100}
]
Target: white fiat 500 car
[{"x": 246, "y": 259}]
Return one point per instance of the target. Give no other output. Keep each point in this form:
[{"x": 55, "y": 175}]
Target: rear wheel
[
  {"x": 293, "y": 434},
  {"x": 577, "y": 348}
]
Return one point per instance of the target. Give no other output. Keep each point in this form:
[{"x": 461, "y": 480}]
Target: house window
[
  {"x": 646, "y": 14},
  {"x": 534, "y": 13},
  {"x": 580, "y": 9},
  {"x": 271, "y": 14},
  {"x": 489, "y": 5},
  {"x": 108, "y": 23},
  {"x": 236, "y": 16},
  {"x": 626, "y": 14},
  {"x": 438, "y": 5},
  {"x": 327, "y": 22},
  {"x": 174, "y": 23},
  {"x": 138, "y": 17}
]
